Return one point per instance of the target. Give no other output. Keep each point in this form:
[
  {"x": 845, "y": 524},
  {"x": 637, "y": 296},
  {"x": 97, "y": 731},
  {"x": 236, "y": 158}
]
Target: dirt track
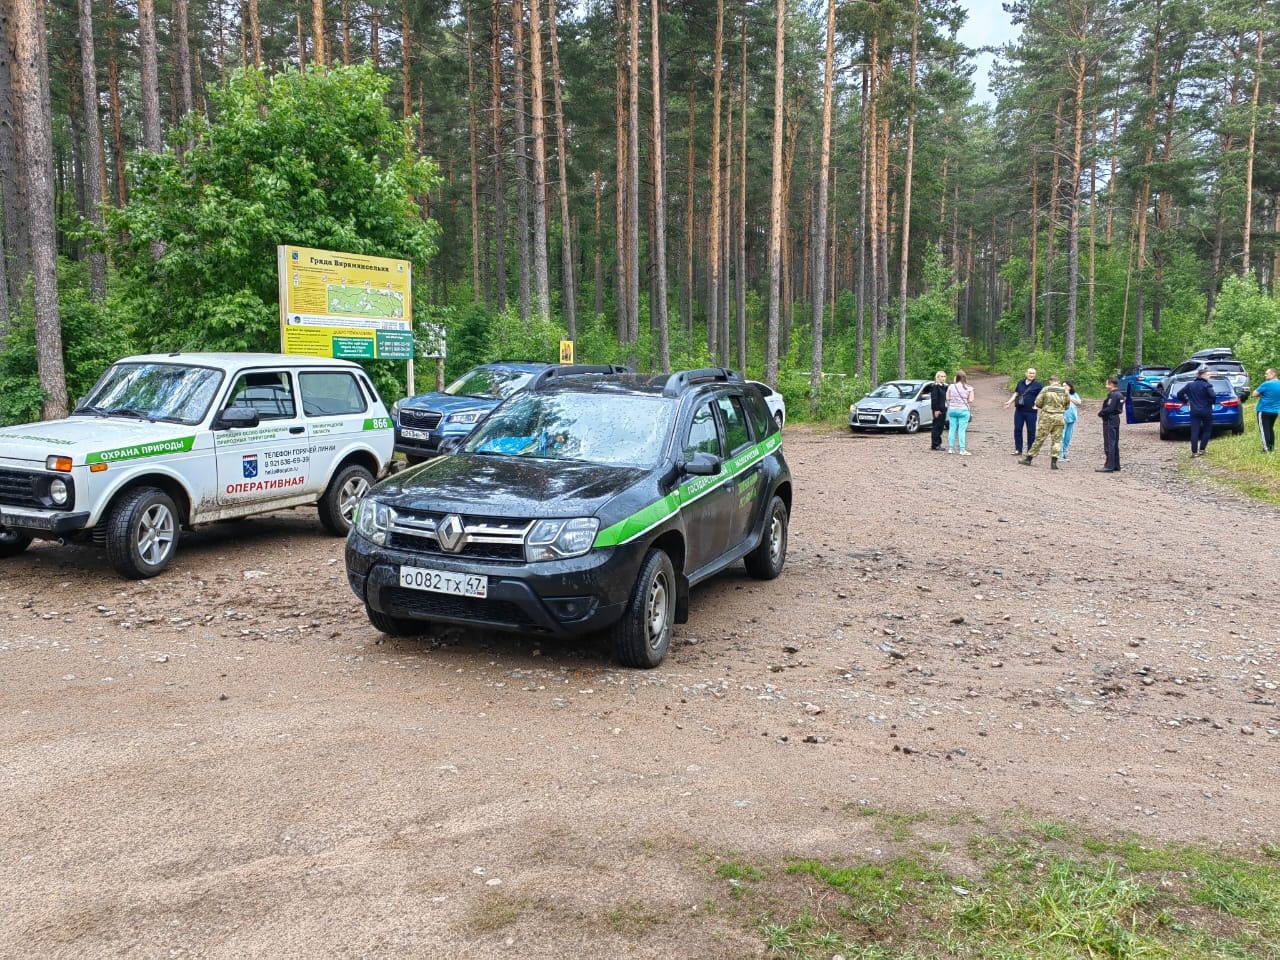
[{"x": 226, "y": 761}]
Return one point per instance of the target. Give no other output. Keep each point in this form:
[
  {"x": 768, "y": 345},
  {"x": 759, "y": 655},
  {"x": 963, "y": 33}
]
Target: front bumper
[
  {"x": 557, "y": 598},
  {"x": 878, "y": 420},
  {"x": 43, "y": 524}
]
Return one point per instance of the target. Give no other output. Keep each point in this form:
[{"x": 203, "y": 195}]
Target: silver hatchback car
[{"x": 897, "y": 405}]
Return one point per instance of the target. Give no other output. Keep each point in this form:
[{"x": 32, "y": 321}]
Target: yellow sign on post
[
  {"x": 345, "y": 305},
  {"x": 566, "y": 351}
]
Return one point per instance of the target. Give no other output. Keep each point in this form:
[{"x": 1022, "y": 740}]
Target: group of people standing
[
  {"x": 1051, "y": 411},
  {"x": 952, "y": 407}
]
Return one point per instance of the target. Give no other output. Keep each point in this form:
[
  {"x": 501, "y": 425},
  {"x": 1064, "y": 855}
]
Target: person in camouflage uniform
[{"x": 1052, "y": 404}]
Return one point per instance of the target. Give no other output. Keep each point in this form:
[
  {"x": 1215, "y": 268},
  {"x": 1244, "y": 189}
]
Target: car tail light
[
  {"x": 1232, "y": 402},
  {"x": 1172, "y": 405}
]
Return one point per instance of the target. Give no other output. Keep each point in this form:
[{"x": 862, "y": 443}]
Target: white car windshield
[
  {"x": 891, "y": 391},
  {"x": 153, "y": 391},
  {"x": 612, "y": 430}
]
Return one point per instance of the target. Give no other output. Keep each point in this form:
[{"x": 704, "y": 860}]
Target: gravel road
[{"x": 227, "y": 761}]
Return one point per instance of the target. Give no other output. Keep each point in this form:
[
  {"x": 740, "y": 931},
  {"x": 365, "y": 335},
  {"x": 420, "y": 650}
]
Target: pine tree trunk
[
  {"x": 714, "y": 226},
  {"x": 873, "y": 237},
  {"x": 318, "y": 55},
  {"x": 1047, "y": 329},
  {"x": 182, "y": 41},
  {"x": 775, "y": 197},
  {"x": 820, "y": 216},
  {"x": 17, "y": 242},
  {"x": 151, "y": 136},
  {"x": 1079, "y": 68},
  {"x": 255, "y": 33},
  {"x": 541, "y": 269},
  {"x": 1245, "y": 264},
  {"x": 690, "y": 222},
  {"x": 499, "y": 178},
  {"x": 658, "y": 308},
  {"x": 93, "y": 146},
  {"x": 906, "y": 193},
  {"x": 740, "y": 229},
  {"x": 860, "y": 306},
  {"x": 633, "y": 173},
  {"x": 597, "y": 273},
  {"x": 471, "y": 153},
  {"x": 31, "y": 92},
  {"x": 522, "y": 157},
  {"x": 621, "y": 272},
  {"x": 569, "y": 307},
  {"x": 1034, "y": 271}
]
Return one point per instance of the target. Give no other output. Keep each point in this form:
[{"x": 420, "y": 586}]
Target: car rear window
[
  {"x": 1226, "y": 366},
  {"x": 1221, "y": 386}
]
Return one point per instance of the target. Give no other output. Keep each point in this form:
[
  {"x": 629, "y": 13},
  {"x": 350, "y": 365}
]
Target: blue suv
[{"x": 426, "y": 421}]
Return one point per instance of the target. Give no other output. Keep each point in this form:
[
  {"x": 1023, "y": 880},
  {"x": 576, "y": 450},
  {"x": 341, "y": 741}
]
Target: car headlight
[
  {"x": 58, "y": 491},
  {"x": 853, "y": 408},
  {"x": 896, "y": 408},
  {"x": 560, "y": 539},
  {"x": 373, "y": 520},
  {"x": 471, "y": 416},
  {"x": 395, "y": 409}
]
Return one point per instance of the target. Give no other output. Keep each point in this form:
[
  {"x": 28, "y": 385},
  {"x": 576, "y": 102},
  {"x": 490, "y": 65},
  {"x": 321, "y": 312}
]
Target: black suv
[{"x": 583, "y": 503}]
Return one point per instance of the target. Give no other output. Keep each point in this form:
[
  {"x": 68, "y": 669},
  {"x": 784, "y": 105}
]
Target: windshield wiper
[
  {"x": 89, "y": 408},
  {"x": 133, "y": 412}
]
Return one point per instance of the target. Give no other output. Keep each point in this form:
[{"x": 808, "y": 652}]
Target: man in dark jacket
[
  {"x": 1199, "y": 396},
  {"x": 938, "y": 404},
  {"x": 1110, "y": 414},
  {"x": 1023, "y": 401}
]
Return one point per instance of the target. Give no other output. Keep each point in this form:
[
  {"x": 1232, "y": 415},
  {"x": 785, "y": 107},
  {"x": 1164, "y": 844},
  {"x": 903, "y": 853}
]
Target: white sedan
[
  {"x": 777, "y": 406},
  {"x": 897, "y": 405}
]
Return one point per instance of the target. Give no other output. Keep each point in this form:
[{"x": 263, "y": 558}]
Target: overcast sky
[{"x": 988, "y": 25}]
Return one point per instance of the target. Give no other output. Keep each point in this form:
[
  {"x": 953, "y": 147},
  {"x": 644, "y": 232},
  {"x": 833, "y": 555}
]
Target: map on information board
[{"x": 345, "y": 305}]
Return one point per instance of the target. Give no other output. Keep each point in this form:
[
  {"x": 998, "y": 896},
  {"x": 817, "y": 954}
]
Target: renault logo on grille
[{"x": 451, "y": 533}]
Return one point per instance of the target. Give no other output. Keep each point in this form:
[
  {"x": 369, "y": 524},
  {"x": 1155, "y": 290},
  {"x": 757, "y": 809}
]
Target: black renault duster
[{"x": 583, "y": 503}]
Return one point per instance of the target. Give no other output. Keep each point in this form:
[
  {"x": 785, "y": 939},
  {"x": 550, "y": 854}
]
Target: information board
[{"x": 345, "y": 305}]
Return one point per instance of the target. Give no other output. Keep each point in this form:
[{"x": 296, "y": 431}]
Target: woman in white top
[{"x": 959, "y": 410}]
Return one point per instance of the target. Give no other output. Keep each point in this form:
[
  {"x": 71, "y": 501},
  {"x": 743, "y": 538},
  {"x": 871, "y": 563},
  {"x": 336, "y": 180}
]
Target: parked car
[
  {"x": 777, "y": 405},
  {"x": 896, "y": 405},
  {"x": 425, "y": 421},
  {"x": 1219, "y": 361},
  {"x": 582, "y": 504},
  {"x": 1147, "y": 405},
  {"x": 1144, "y": 374},
  {"x": 165, "y": 442}
]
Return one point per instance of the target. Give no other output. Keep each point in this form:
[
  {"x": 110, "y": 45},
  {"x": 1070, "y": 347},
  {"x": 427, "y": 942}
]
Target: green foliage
[
  {"x": 934, "y": 341},
  {"x": 92, "y": 340},
  {"x": 312, "y": 159},
  {"x": 1248, "y": 320}
]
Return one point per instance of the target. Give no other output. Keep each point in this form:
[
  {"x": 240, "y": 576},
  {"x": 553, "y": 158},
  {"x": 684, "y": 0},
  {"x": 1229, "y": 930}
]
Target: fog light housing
[{"x": 569, "y": 609}]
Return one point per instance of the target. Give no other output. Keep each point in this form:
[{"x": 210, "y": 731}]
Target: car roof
[
  {"x": 524, "y": 366},
  {"x": 235, "y": 361}
]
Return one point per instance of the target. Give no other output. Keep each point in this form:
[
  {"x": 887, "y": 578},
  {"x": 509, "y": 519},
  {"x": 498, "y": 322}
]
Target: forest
[{"x": 810, "y": 192}]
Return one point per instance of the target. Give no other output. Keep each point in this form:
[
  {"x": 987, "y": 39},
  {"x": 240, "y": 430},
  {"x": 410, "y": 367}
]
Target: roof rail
[
  {"x": 574, "y": 369},
  {"x": 678, "y": 382}
]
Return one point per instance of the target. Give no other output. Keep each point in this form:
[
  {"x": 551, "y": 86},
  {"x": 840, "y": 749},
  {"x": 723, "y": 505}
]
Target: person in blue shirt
[
  {"x": 1199, "y": 396},
  {"x": 1268, "y": 394},
  {"x": 1023, "y": 401},
  {"x": 1069, "y": 418}
]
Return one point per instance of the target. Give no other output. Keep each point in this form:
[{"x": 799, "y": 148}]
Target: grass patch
[
  {"x": 1240, "y": 462},
  {"x": 1030, "y": 890}
]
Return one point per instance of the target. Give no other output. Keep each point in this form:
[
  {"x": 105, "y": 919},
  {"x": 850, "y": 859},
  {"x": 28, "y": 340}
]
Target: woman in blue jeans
[
  {"x": 959, "y": 410},
  {"x": 1069, "y": 418}
]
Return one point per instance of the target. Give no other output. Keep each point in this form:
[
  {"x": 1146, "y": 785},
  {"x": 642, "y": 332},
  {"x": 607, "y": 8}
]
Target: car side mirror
[
  {"x": 450, "y": 445},
  {"x": 703, "y": 465},
  {"x": 233, "y": 418}
]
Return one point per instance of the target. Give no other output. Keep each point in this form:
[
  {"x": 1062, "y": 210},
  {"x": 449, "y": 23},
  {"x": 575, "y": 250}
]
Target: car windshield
[
  {"x": 891, "y": 391},
  {"x": 1221, "y": 386},
  {"x": 489, "y": 382},
  {"x": 154, "y": 391},
  {"x": 620, "y": 430},
  {"x": 1156, "y": 371}
]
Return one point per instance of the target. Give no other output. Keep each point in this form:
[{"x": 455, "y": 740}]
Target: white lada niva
[{"x": 165, "y": 442}]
